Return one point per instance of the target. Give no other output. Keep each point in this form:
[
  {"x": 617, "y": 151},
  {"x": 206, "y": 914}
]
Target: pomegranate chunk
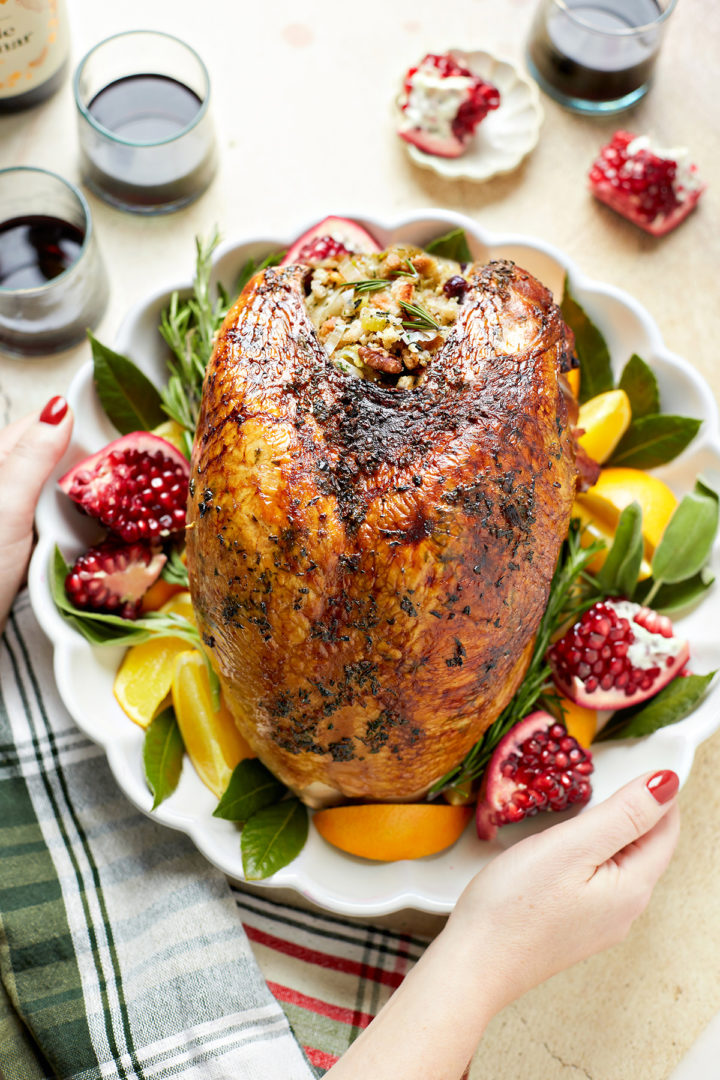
[
  {"x": 442, "y": 103},
  {"x": 136, "y": 485},
  {"x": 656, "y": 189},
  {"x": 113, "y": 577},
  {"x": 329, "y": 239},
  {"x": 617, "y": 655},
  {"x": 536, "y": 766}
]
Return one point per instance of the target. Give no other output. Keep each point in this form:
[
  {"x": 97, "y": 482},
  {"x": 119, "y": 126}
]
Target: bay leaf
[
  {"x": 654, "y": 440},
  {"x": 619, "y": 573},
  {"x": 272, "y": 838},
  {"x": 126, "y": 394},
  {"x": 451, "y": 245},
  {"x": 639, "y": 383},
  {"x": 596, "y": 375},
  {"x": 163, "y": 751},
  {"x": 251, "y": 788},
  {"x": 688, "y": 539}
]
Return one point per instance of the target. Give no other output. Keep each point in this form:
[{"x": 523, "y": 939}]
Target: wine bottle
[{"x": 34, "y": 51}]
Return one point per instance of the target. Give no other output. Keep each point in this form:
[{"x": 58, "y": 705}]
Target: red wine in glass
[
  {"x": 156, "y": 154},
  {"x": 590, "y": 53},
  {"x": 36, "y": 248},
  {"x": 145, "y": 108}
]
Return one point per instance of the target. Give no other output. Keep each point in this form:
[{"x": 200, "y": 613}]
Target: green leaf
[
  {"x": 175, "y": 570},
  {"x": 654, "y": 440},
  {"x": 688, "y": 539},
  {"x": 128, "y": 397},
  {"x": 670, "y": 598},
  {"x": 674, "y": 702},
  {"x": 253, "y": 267},
  {"x": 272, "y": 838},
  {"x": 101, "y": 629},
  {"x": 639, "y": 383},
  {"x": 251, "y": 788},
  {"x": 596, "y": 375},
  {"x": 451, "y": 245},
  {"x": 619, "y": 573},
  {"x": 163, "y": 751}
]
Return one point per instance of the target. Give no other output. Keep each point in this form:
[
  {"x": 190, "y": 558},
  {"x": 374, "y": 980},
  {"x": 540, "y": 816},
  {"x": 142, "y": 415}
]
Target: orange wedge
[
  {"x": 212, "y": 740},
  {"x": 387, "y": 832},
  {"x": 171, "y": 431},
  {"x": 604, "y": 419},
  {"x": 573, "y": 378},
  {"x": 144, "y": 677},
  {"x": 580, "y": 722},
  {"x": 159, "y": 594},
  {"x": 616, "y": 488}
]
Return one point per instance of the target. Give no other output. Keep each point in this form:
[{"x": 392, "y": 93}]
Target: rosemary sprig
[
  {"x": 366, "y": 285},
  {"x": 421, "y": 319},
  {"x": 189, "y": 327},
  {"x": 571, "y": 593}
]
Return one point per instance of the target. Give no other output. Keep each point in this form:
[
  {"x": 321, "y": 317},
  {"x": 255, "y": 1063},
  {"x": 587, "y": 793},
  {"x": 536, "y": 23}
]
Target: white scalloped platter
[
  {"x": 505, "y": 136},
  {"x": 338, "y": 882}
]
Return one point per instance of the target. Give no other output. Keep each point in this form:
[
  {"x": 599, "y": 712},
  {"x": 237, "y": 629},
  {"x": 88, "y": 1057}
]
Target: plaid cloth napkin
[{"x": 123, "y": 953}]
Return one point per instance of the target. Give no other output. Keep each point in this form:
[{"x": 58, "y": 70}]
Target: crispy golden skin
[{"x": 369, "y": 565}]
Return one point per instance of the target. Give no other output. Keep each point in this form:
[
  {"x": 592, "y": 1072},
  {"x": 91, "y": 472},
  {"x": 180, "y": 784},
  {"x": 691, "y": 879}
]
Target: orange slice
[
  {"x": 616, "y": 488},
  {"x": 573, "y": 378},
  {"x": 605, "y": 419},
  {"x": 212, "y": 740},
  {"x": 390, "y": 831},
  {"x": 171, "y": 431}
]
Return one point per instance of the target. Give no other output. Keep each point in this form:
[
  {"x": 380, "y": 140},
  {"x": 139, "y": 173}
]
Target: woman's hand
[
  {"x": 572, "y": 890},
  {"x": 542, "y": 905},
  {"x": 29, "y": 451}
]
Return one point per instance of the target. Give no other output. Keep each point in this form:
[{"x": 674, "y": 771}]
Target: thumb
[
  {"x": 26, "y": 466},
  {"x": 629, "y": 814}
]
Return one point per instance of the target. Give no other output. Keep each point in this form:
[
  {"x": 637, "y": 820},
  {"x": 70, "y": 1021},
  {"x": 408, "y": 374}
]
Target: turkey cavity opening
[{"x": 383, "y": 317}]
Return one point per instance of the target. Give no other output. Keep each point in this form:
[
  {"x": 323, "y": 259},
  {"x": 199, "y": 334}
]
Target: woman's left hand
[{"x": 29, "y": 451}]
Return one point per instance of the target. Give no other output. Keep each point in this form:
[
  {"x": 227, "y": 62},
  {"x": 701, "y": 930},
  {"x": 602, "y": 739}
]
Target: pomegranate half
[
  {"x": 618, "y": 654},
  {"x": 536, "y": 766}
]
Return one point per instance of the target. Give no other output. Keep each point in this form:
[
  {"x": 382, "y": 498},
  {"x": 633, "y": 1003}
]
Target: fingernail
[
  {"x": 663, "y": 785},
  {"x": 54, "y": 411}
]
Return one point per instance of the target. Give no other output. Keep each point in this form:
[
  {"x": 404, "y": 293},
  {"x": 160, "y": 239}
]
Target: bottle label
[{"x": 33, "y": 43}]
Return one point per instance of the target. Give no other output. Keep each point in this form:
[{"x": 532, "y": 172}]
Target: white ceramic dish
[
  {"x": 505, "y": 136},
  {"x": 324, "y": 875}
]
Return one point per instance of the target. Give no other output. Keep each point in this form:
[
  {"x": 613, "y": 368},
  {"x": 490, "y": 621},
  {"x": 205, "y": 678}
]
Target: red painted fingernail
[
  {"x": 54, "y": 411},
  {"x": 663, "y": 785}
]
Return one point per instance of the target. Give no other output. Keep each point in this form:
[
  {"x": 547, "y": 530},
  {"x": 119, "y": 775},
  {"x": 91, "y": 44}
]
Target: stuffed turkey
[{"x": 381, "y": 481}]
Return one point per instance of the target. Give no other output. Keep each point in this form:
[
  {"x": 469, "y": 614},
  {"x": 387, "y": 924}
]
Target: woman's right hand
[
  {"x": 542, "y": 905},
  {"x": 568, "y": 892}
]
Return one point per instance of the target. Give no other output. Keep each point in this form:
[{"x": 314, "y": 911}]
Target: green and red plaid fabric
[{"x": 122, "y": 952}]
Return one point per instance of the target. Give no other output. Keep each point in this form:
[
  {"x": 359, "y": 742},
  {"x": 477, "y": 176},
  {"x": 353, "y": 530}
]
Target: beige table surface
[{"x": 301, "y": 101}]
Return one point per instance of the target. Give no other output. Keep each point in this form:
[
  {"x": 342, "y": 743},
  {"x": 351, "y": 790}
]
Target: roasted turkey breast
[{"x": 369, "y": 565}]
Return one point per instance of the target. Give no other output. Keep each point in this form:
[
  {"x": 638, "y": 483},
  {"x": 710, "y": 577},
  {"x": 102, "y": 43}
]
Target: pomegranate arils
[
  {"x": 137, "y": 486},
  {"x": 426, "y": 105},
  {"x": 616, "y": 655},
  {"x": 112, "y": 578},
  {"x": 536, "y": 766},
  {"x": 645, "y": 185},
  {"x": 321, "y": 248}
]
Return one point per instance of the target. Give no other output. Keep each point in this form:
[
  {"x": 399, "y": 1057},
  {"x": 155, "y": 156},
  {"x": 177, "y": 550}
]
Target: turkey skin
[{"x": 369, "y": 564}]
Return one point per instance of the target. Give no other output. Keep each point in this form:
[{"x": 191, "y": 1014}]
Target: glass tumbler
[
  {"x": 147, "y": 143},
  {"x": 53, "y": 284},
  {"x": 597, "y": 56}
]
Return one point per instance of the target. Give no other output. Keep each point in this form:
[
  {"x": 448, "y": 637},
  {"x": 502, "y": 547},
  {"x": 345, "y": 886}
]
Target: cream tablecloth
[{"x": 302, "y": 104}]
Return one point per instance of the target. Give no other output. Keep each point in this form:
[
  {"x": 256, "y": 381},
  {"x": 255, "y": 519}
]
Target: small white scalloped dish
[
  {"x": 505, "y": 136},
  {"x": 331, "y": 879}
]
